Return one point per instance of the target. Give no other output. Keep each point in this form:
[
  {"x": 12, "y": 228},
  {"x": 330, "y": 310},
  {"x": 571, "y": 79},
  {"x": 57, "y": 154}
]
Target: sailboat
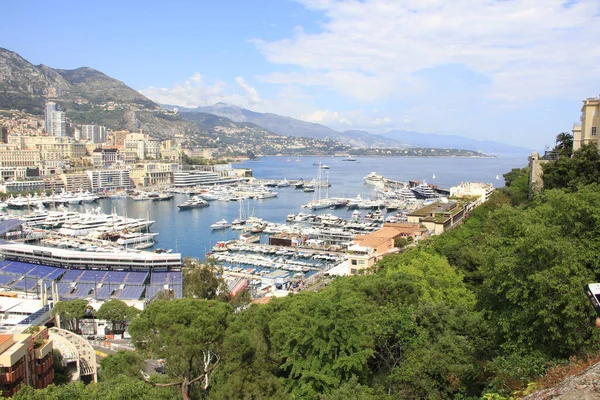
[
  {"x": 240, "y": 219},
  {"x": 433, "y": 177},
  {"x": 497, "y": 177},
  {"x": 297, "y": 159}
]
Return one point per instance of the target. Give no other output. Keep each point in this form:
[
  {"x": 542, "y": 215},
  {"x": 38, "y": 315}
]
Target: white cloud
[
  {"x": 195, "y": 92},
  {"x": 326, "y": 117},
  {"x": 369, "y": 50},
  {"x": 251, "y": 93}
]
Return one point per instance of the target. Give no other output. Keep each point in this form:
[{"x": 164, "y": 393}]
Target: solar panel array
[
  {"x": 75, "y": 283},
  {"x": 92, "y": 276},
  {"x": 105, "y": 292},
  {"x": 130, "y": 292}
]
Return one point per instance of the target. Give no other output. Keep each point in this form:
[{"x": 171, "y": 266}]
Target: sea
[{"x": 188, "y": 232}]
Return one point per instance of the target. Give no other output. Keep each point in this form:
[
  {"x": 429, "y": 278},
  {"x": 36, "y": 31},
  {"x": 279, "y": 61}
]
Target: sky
[{"x": 513, "y": 71}]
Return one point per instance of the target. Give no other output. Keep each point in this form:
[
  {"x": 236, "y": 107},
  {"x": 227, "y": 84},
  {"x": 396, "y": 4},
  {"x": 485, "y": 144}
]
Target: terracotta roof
[{"x": 4, "y": 338}]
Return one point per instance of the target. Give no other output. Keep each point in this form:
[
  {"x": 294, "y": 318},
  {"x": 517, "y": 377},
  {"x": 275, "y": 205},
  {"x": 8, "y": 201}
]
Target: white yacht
[
  {"x": 222, "y": 224},
  {"x": 283, "y": 183},
  {"x": 374, "y": 179},
  {"x": 424, "y": 191},
  {"x": 127, "y": 239}
]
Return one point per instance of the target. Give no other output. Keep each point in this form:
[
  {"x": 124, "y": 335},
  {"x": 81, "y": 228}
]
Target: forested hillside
[{"x": 486, "y": 308}]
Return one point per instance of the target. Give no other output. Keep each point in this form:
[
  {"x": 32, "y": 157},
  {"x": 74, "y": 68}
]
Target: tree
[
  {"x": 62, "y": 376},
  {"x": 201, "y": 281},
  {"x": 536, "y": 262},
  {"x": 564, "y": 144},
  {"x": 71, "y": 312},
  {"x": 122, "y": 362},
  {"x": 583, "y": 168},
  {"x": 249, "y": 368},
  {"x": 322, "y": 339},
  {"x": 118, "y": 313},
  {"x": 517, "y": 185},
  {"x": 186, "y": 332}
]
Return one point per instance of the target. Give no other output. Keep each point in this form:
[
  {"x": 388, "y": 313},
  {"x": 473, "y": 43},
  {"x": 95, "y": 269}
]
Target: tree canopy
[
  {"x": 71, "y": 312},
  {"x": 188, "y": 333},
  {"x": 118, "y": 313}
]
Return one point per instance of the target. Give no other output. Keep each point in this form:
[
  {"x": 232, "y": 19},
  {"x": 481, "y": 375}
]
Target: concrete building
[
  {"x": 76, "y": 182},
  {"x": 118, "y": 137},
  {"x": 93, "y": 133},
  {"x": 368, "y": 249},
  {"x": 59, "y": 124},
  {"x": 106, "y": 156},
  {"x": 277, "y": 279},
  {"x": 586, "y": 131},
  {"x": 25, "y": 359},
  {"x": 109, "y": 179},
  {"x": 50, "y": 108},
  {"x": 438, "y": 217},
  {"x": 481, "y": 191},
  {"x": 151, "y": 174},
  {"x": 19, "y": 158}
]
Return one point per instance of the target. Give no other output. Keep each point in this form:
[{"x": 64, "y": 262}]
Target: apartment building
[
  {"x": 109, "y": 179},
  {"x": 19, "y": 158},
  {"x": 151, "y": 174},
  {"x": 586, "y": 131},
  {"x": 93, "y": 133},
  {"x": 76, "y": 182},
  {"x": 368, "y": 249},
  {"x": 25, "y": 359},
  {"x": 480, "y": 191},
  {"x": 438, "y": 217},
  {"x": 106, "y": 156}
]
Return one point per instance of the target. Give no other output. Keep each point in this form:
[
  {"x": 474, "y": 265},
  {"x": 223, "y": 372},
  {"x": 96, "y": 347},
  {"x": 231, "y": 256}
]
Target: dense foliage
[{"x": 486, "y": 307}]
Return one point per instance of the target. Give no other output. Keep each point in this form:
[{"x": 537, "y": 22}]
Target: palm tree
[{"x": 564, "y": 144}]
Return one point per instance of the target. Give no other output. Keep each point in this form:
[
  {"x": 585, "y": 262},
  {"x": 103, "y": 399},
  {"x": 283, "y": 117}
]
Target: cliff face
[
  {"x": 27, "y": 86},
  {"x": 582, "y": 386}
]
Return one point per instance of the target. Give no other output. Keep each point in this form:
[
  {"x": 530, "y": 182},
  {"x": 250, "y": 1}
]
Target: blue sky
[{"x": 511, "y": 71}]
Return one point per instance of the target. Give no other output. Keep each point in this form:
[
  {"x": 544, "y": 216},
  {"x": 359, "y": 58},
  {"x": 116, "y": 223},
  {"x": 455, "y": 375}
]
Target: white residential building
[{"x": 109, "y": 179}]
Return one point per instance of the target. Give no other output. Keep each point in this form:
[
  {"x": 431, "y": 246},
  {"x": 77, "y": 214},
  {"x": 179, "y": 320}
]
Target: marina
[{"x": 265, "y": 230}]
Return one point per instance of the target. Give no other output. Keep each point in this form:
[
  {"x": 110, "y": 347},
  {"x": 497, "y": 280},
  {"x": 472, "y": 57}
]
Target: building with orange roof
[{"x": 368, "y": 249}]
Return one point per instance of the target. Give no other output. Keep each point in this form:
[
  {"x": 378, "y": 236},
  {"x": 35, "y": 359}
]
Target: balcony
[
  {"x": 15, "y": 375},
  {"x": 43, "y": 350}
]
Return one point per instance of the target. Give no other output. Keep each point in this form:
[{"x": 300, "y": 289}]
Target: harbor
[{"x": 254, "y": 228}]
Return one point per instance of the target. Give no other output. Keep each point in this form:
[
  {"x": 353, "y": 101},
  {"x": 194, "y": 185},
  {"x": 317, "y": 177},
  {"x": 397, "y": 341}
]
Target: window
[
  {"x": 593, "y": 131},
  {"x": 353, "y": 262},
  {"x": 353, "y": 271},
  {"x": 362, "y": 262}
]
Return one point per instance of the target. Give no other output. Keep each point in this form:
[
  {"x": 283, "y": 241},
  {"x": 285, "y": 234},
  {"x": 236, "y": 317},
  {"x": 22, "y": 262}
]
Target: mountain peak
[{"x": 28, "y": 86}]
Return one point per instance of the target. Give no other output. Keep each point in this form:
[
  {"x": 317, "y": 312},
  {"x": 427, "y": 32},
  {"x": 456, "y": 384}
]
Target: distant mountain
[
  {"x": 291, "y": 126},
  {"x": 356, "y": 138},
  {"x": 26, "y": 86},
  {"x": 417, "y": 139}
]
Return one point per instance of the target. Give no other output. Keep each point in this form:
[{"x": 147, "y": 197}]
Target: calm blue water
[{"x": 189, "y": 231}]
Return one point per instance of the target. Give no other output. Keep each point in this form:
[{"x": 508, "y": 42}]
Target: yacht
[
  {"x": 163, "y": 197},
  {"x": 194, "y": 202},
  {"x": 321, "y": 165},
  {"x": 374, "y": 179},
  {"x": 283, "y": 183},
  {"x": 349, "y": 158},
  {"x": 136, "y": 238},
  {"x": 222, "y": 224},
  {"x": 265, "y": 195},
  {"x": 424, "y": 191}
]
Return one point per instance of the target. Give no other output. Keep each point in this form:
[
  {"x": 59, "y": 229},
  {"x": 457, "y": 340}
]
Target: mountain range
[
  {"x": 356, "y": 138},
  {"x": 91, "y": 97}
]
